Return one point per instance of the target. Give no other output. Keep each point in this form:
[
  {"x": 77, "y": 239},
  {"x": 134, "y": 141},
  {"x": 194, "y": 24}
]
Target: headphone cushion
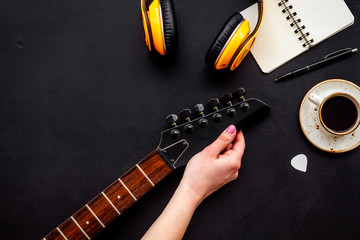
[
  {"x": 169, "y": 25},
  {"x": 222, "y": 37}
]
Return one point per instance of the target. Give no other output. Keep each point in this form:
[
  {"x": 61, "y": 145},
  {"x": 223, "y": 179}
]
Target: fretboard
[{"x": 88, "y": 221}]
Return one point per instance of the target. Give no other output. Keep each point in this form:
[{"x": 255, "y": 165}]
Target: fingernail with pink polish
[{"x": 231, "y": 129}]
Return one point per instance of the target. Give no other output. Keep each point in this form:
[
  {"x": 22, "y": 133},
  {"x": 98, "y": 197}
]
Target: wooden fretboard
[{"x": 88, "y": 221}]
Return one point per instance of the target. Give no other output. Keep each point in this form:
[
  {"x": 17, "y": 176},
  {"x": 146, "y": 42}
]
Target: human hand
[
  {"x": 214, "y": 166},
  {"x": 206, "y": 172}
]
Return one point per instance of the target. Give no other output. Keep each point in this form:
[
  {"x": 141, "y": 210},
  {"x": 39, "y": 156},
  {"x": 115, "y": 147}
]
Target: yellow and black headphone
[{"x": 231, "y": 45}]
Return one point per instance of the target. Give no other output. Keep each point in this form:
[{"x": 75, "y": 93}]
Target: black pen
[{"x": 327, "y": 59}]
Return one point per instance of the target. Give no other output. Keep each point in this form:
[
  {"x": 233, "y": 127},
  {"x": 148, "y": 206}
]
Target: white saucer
[{"x": 312, "y": 127}]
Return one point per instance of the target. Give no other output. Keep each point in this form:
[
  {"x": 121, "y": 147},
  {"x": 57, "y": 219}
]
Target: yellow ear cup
[
  {"x": 153, "y": 26},
  {"x": 244, "y": 51},
  {"x": 159, "y": 24},
  {"x": 235, "y": 40},
  {"x": 245, "y": 47},
  {"x": 146, "y": 24},
  {"x": 156, "y": 24}
]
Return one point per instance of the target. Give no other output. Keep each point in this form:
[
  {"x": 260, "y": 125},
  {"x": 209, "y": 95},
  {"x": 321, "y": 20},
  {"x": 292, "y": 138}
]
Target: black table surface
[{"x": 82, "y": 101}]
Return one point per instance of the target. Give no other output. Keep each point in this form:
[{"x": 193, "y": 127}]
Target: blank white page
[
  {"x": 323, "y": 18},
  {"x": 276, "y": 42}
]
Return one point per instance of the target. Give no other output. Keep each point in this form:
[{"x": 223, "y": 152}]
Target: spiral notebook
[{"x": 291, "y": 27}]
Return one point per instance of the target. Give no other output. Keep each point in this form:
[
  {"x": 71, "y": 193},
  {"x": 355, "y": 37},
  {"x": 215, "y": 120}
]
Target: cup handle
[{"x": 315, "y": 99}]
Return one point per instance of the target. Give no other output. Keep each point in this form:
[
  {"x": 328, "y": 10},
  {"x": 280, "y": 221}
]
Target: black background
[{"x": 82, "y": 101}]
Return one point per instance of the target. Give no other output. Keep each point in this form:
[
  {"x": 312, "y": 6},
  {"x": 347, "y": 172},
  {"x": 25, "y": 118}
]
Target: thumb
[{"x": 222, "y": 141}]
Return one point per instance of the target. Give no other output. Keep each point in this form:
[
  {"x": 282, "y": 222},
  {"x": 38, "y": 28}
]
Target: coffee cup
[{"x": 339, "y": 112}]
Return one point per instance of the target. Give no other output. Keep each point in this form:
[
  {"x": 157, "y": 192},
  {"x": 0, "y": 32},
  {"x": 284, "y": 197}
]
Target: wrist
[{"x": 190, "y": 195}]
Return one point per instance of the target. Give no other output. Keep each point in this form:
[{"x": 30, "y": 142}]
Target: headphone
[{"x": 231, "y": 45}]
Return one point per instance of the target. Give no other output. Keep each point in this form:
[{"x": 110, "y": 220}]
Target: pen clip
[{"x": 335, "y": 53}]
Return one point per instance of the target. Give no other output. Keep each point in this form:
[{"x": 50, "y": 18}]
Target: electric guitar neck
[
  {"x": 89, "y": 220},
  {"x": 178, "y": 144}
]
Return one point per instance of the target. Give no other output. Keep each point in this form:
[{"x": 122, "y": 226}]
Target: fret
[
  {"x": 69, "y": 230},
  {"x": 135, "y": 181},
  {"x": 54, "y": 235},
  {"x": 102, "y": 209},
  {"x": 132, "y": 195},
  {"x": 88, "y": 221},
  {"x": 87, "y": 206},
  {"x": 61, "y": 233},
  {"x": 80, "y": 228},
  {"x": 119, "y": 196},
  {"x": 110, "y": 203},
  {"x": 152, "y": 184},
  {"x": 154, "y": 167}
]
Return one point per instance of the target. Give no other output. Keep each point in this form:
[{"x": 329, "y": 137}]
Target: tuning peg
[
  {"x": 245, "y": 107},
  {"x": 171, "y": 119},
  {"x": 231, "y": 112},
  {"x": 189, "y": 128},
  {"x": 175, "y": 134},
  {"x": 199, "y": 108},
  {"x": 226, "y": 98},
  {"x": 217, "y": 117},
  {"x": 203, "y": 123},
  {"x": 239, "y": 93},
  {"x": 185, "y": 114},
  {"x": 213, "y": 103}
]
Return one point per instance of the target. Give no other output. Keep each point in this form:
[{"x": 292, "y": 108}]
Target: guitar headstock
[{"x": 199, "y": 127}]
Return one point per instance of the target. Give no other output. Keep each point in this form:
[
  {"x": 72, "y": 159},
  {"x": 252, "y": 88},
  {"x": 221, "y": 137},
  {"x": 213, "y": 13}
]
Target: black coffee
[{"x": 339, "y": 114}]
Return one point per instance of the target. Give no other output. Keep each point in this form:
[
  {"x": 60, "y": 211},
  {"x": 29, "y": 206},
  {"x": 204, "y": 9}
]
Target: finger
[
  {"x": 228, "y": 147},
  {"x": 225, "y": 138},
  {"x": 239, "y": 143}
]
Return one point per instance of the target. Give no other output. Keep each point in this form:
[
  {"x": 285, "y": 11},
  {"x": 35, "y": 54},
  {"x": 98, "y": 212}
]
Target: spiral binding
[{"x": 295, "y": 22}]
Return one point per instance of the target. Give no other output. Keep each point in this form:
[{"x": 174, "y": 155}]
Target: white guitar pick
[{"x": 299, "y": 162}]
